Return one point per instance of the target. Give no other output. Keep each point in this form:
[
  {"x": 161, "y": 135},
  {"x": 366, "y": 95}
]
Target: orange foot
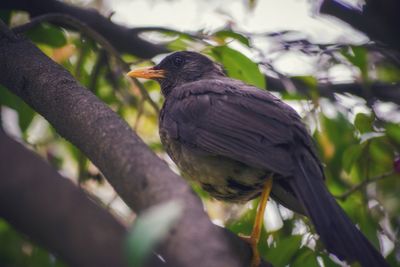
[{"x": 254, "y": 238}]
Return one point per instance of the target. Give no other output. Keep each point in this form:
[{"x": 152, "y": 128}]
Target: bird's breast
[{"x": 223, "y": 178}]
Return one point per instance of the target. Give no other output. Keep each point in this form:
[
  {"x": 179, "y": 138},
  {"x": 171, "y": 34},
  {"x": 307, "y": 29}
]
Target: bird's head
[{"x": 179, "y": 68}]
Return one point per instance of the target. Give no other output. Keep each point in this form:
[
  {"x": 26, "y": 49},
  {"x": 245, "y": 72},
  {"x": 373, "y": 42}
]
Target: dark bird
[{"x": 239, "y": 142}]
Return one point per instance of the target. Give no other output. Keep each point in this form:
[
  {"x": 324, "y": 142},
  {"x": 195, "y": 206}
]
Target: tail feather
[{"x": 335, "y": 229}]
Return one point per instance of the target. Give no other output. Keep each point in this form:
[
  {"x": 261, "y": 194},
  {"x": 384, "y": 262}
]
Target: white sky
[{"x": 268, "y": 15}]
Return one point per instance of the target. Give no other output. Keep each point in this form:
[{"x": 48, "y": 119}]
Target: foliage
[
  {"x": 150, "y": 228},
  {"x": 17, "y": 251},
  {"x": 356, "y": 142}
]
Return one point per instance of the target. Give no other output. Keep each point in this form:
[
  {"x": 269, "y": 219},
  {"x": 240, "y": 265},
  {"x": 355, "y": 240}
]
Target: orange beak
[{"x": 147, "y": 73}]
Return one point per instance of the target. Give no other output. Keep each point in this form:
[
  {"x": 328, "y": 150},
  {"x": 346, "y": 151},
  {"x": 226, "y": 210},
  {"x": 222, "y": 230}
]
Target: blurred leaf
[
  {"x": 86, "y": 57},
  {"x": 239, "y": 66},
  {"x": 231, "y": 34},
  {"x": 25, "y": 113},
  {"x": 182, "y": 42},
  {"x": 15, "y": 250},
  {"x": 393, "y": 132},
  {"x": 393, "y": 259},
  {"x": 310, "y": 81},
  {"x": 327, "y": 147},
  {"x": 198, "y": 190},
  {"x": 358, "y": 56},
  {"x": 363, "y": 122},
  {"x": 340, "y": 132},
  {"x": 388, "y": 73},
  {"x": 381, "y": 152},
  {"x": 149, "y": 229},
  {"x": 5, "y": 16},
  {"x": 351, "y": 155},
  {"x": 305, "y": 257},
  {"x": 47, "y": 34},
  {"x": 244, "y": 224},
  {"x": 282, "y": 254}
]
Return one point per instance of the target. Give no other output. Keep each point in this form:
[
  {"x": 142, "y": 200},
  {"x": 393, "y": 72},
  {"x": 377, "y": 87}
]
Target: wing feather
[{"x": 237, "y": 121}]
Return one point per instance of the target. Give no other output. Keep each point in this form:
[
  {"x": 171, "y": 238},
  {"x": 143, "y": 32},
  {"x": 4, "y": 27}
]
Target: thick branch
[
  {"x": 136, "y": 173},
  {"x": 122, "y": 38},
  {"x": 36, "y": 200},
  {"x": 378, "y": 90}
]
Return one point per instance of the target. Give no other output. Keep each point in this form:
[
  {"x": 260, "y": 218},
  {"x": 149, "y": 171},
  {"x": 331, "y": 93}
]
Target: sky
[{"x": 267, "y": 16}]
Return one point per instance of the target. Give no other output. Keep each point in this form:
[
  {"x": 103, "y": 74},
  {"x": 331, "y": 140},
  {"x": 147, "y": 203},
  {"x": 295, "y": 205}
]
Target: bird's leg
[{"x": 254, "y": 238}]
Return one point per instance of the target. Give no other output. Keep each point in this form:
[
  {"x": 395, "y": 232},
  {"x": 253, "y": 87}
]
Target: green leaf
[
  {"x": 25, "y": 113},
  {"x": 359, "y": 58},
  {"x": 239, "y": 66},
  {"x": 17, "y": 250},
  {"x": 283, "y": 252},
  {"x": 47, "y": 34},
  {"x": 363, "y": 123},
  {"x": 382, "y": 153},
  {"x": 305, "y": 257},
  {"x": 351, "y": 155},
  {"x": 224, "y": 34},
  {"x": 245, "y": 223},
  {"x": 149, "y": 229},
  {"x": 393, "y": 132},
  {"x": 388, "y": 73},
  {"x": 182, "y": 42},
  {"x": 310, "y": 81}
]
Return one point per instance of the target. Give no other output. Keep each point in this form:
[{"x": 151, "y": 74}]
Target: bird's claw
[{"x": 255, "y": 260}]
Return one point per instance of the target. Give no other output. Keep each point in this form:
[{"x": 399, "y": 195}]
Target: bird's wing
[{"x": 238, "y": 121}]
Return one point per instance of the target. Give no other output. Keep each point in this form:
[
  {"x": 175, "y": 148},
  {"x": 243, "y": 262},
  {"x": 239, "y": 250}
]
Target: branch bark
[
  {"x": 124, "y": 39},
  {"x": 136, "y": 173},
  {"x": 376, "y": 90},
  {"x": 36, "y": 200}
]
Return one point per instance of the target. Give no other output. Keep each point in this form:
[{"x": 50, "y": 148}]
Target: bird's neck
[{"x": 168, "y": 86}]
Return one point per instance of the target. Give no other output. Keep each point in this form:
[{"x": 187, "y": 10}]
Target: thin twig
[
  {"x": 155, "y": 29},
  {"x": 146, "y": 95},
  {"x": 88, "y": 31},
  {"x": 70, "y": 21},
  {"x": 79, "y": 63},
  {"x": 98, "y": 65},
  {"x": 139, "y": 114},
  {"x": 364, "y": 183}
]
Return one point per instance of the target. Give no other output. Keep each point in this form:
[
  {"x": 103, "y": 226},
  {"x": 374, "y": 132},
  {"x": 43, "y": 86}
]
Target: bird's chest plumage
[{"x": 221, "y": 177}]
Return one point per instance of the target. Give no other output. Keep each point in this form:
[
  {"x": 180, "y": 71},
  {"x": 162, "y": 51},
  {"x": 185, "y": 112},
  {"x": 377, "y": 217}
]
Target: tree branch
[
  {"x": 377, "y": 90},
  {"x": 136, "y": 173},
  {"x": 378, "y": 19},
  {"x": 50, "y": 209},
  {"x": 363, "y": 184},
  {"x": 122, "y": 38},
  {"x": 71, "y": 22},
  {"x": 86, "y": 30}
]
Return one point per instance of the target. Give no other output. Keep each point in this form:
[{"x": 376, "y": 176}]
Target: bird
[{"x": 239, "y": 142}]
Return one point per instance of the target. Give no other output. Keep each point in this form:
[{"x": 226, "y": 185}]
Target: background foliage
[{"x": 358, "y": 138}]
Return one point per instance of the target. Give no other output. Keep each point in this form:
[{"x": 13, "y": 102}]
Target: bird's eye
[{"x": 178, "y": 61}]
